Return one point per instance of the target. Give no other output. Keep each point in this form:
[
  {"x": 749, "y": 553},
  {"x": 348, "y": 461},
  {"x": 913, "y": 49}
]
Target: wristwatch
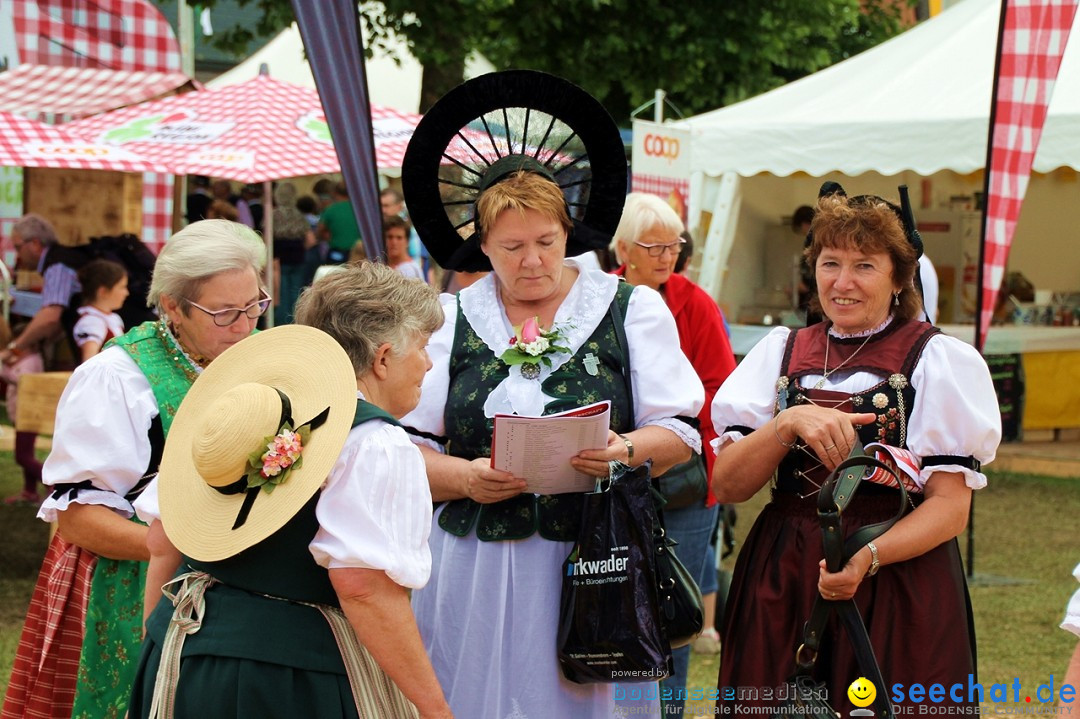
[
  {"x": 629, "y": 448},
  {"x": 875, "y": 565}
]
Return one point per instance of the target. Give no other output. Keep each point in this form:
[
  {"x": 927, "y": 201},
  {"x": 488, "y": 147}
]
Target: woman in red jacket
[{"x": 647, "y": 243}]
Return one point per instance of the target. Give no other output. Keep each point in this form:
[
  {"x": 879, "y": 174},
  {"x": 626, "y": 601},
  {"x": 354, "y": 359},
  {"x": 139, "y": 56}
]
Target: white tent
[
  {"x": 920, "y": 102},
  {"x": 390, "y": 83},
  {"x": 912, "y": 110}
]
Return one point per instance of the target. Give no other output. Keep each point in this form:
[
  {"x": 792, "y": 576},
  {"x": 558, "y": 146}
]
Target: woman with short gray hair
[
  {"x": 110, "y": 427},
  {"x": 366, "y": 305}
]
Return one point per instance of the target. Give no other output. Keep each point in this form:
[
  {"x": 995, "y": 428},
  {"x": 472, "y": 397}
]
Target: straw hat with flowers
[{"x": 254, "y": 440}]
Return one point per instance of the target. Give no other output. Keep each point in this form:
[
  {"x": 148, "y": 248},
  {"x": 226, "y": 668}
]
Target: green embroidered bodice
[{"x": 474, "y": 372}]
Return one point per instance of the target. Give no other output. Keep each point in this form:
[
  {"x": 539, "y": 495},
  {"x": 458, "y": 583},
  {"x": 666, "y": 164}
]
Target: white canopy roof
[
  {"x": 920, "y": 102},
  {"x": 391, "y": 83}
]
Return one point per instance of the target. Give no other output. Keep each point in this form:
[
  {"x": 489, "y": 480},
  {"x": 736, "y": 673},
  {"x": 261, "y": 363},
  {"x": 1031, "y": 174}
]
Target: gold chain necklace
[{"x": 825, "y": 371}]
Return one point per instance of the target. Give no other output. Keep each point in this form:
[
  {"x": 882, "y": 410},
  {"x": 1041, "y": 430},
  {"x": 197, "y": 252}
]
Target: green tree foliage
[{"x": 704, "y": 53}]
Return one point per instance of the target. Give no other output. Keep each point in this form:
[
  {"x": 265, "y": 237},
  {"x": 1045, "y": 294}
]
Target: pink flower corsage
[
  {"x": 271, "y": 466},
  {"x": 530, "y": 346}
]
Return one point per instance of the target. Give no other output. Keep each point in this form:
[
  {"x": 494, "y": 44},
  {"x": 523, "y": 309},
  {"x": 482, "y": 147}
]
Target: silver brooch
[
  {"x": 880, "y": 400},
  {"x": 530, "y": 370},
  {"x": 897, "y": 381},
  {"x": 856, "y": 401},
  {"x": 781, "y": 383}
]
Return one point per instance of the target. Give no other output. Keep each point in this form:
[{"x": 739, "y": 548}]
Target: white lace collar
[
  {"x": 578, "y": 315},
  {"x": 864, "y": 333}
]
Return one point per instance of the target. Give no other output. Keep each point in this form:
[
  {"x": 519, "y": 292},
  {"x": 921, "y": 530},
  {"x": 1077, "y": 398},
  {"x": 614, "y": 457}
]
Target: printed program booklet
[{"x": 538, "y": 449}]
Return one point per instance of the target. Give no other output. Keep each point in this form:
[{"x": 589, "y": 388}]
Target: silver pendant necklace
[{"x": 825, "y": 371}]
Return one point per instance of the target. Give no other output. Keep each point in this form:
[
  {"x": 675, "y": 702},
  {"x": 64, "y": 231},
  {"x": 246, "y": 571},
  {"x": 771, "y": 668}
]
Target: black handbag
[
  {"x": 682, "y": 609},
  {"x": 807, "y": 697},
  {"x": 609, "y": 611},
  {"x": 685, "y": 484}
]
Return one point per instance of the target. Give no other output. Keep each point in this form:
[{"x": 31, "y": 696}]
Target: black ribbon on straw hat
[
  {"x": 257, "y": 460},
  {"x": 500, "y": 123}
]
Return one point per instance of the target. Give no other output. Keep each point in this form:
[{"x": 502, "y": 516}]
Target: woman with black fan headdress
[
  {"x": 871, "y": 372},
  {"x": 513, "y": 172}
]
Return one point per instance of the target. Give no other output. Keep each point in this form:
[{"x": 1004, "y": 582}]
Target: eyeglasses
[
  {"x": 229, "y": 315},
  {"x": 658, "y": 250}
]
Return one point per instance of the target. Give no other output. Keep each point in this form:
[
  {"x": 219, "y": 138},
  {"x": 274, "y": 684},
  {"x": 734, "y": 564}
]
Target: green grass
[
  {"x": 25, "y": 538},
  {"x": 1025, "y": 531}
]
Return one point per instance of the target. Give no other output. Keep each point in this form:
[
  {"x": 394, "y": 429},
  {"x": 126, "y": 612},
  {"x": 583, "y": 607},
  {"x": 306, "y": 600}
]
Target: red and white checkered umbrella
[
  {"x": 255, "y": 131},
  {"x": 70, "y": 92},
  {"x": 26, "y": 143}
]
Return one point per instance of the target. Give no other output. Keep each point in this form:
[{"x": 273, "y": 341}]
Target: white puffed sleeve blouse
[
  {"x": 102, "y": 422},
  {"x": 955, "y": 412}
]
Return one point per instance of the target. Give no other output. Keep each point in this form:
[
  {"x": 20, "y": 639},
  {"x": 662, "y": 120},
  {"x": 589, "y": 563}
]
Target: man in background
[
  {"x": 338, "y": 226},
  {"x": 36, "y": 248}
]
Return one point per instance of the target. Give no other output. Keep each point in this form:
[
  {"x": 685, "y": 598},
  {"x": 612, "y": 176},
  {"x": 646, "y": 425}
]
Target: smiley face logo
[{"x": 862, "y": 692}]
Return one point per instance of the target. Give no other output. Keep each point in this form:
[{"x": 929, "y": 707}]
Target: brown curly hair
[{"x": 871, "y": 225}]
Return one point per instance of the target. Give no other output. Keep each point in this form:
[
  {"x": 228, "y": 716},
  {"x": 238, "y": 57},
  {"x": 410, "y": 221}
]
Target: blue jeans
[{"x": 692, "y": 527}]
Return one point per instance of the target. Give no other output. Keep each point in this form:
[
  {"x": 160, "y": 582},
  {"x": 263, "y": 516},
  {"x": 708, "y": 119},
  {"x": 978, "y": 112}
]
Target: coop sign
[
  {"x": 77, "y": 151},
  {"x": 223, "y": 158}
]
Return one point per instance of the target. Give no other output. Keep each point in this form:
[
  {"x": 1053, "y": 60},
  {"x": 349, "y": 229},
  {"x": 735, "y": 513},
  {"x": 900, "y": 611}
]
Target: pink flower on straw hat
[{"x": 283, "y": 454}]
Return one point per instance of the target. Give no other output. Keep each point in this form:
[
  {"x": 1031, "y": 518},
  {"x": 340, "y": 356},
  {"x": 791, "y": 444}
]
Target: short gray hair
[
  {"x": 33, "y": 226},
  {"x": 198, "y": 252},
  {"x": 641, "y": 213},
  {"x": 367, "y": 304}
]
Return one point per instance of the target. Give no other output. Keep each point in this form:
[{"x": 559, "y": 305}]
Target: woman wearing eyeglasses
[
  {"x": 110, "y": 429},
  {"x": 647, "y": 244}
]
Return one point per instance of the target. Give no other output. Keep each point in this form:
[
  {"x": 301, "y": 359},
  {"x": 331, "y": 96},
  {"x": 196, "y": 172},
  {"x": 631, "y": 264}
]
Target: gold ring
[{"x": 831, "y": 446}]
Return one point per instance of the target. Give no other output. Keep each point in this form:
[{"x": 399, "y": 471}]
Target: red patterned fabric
[
  {"x": 902, "y": 461},
  {"x": 40, "y": 90},
  {"x": 26, "y": 143},
  {"x": 120, "y": 35},
  {"x": 674, "y": 191},
  {"x": 1033, "y": 41},
  {"x": 259, "y": 130},
  {"x": 47, "y": 660},
  {"x": 116, "y": 34}
]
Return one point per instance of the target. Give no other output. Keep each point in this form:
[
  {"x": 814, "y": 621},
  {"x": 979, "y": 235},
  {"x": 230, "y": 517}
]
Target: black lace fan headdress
[{"x": 499, "y": 123}]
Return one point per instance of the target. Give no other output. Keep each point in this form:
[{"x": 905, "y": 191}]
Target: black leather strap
[
  {"x": 620, "y": 335},
  {"x": 835, "y": 496}
]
